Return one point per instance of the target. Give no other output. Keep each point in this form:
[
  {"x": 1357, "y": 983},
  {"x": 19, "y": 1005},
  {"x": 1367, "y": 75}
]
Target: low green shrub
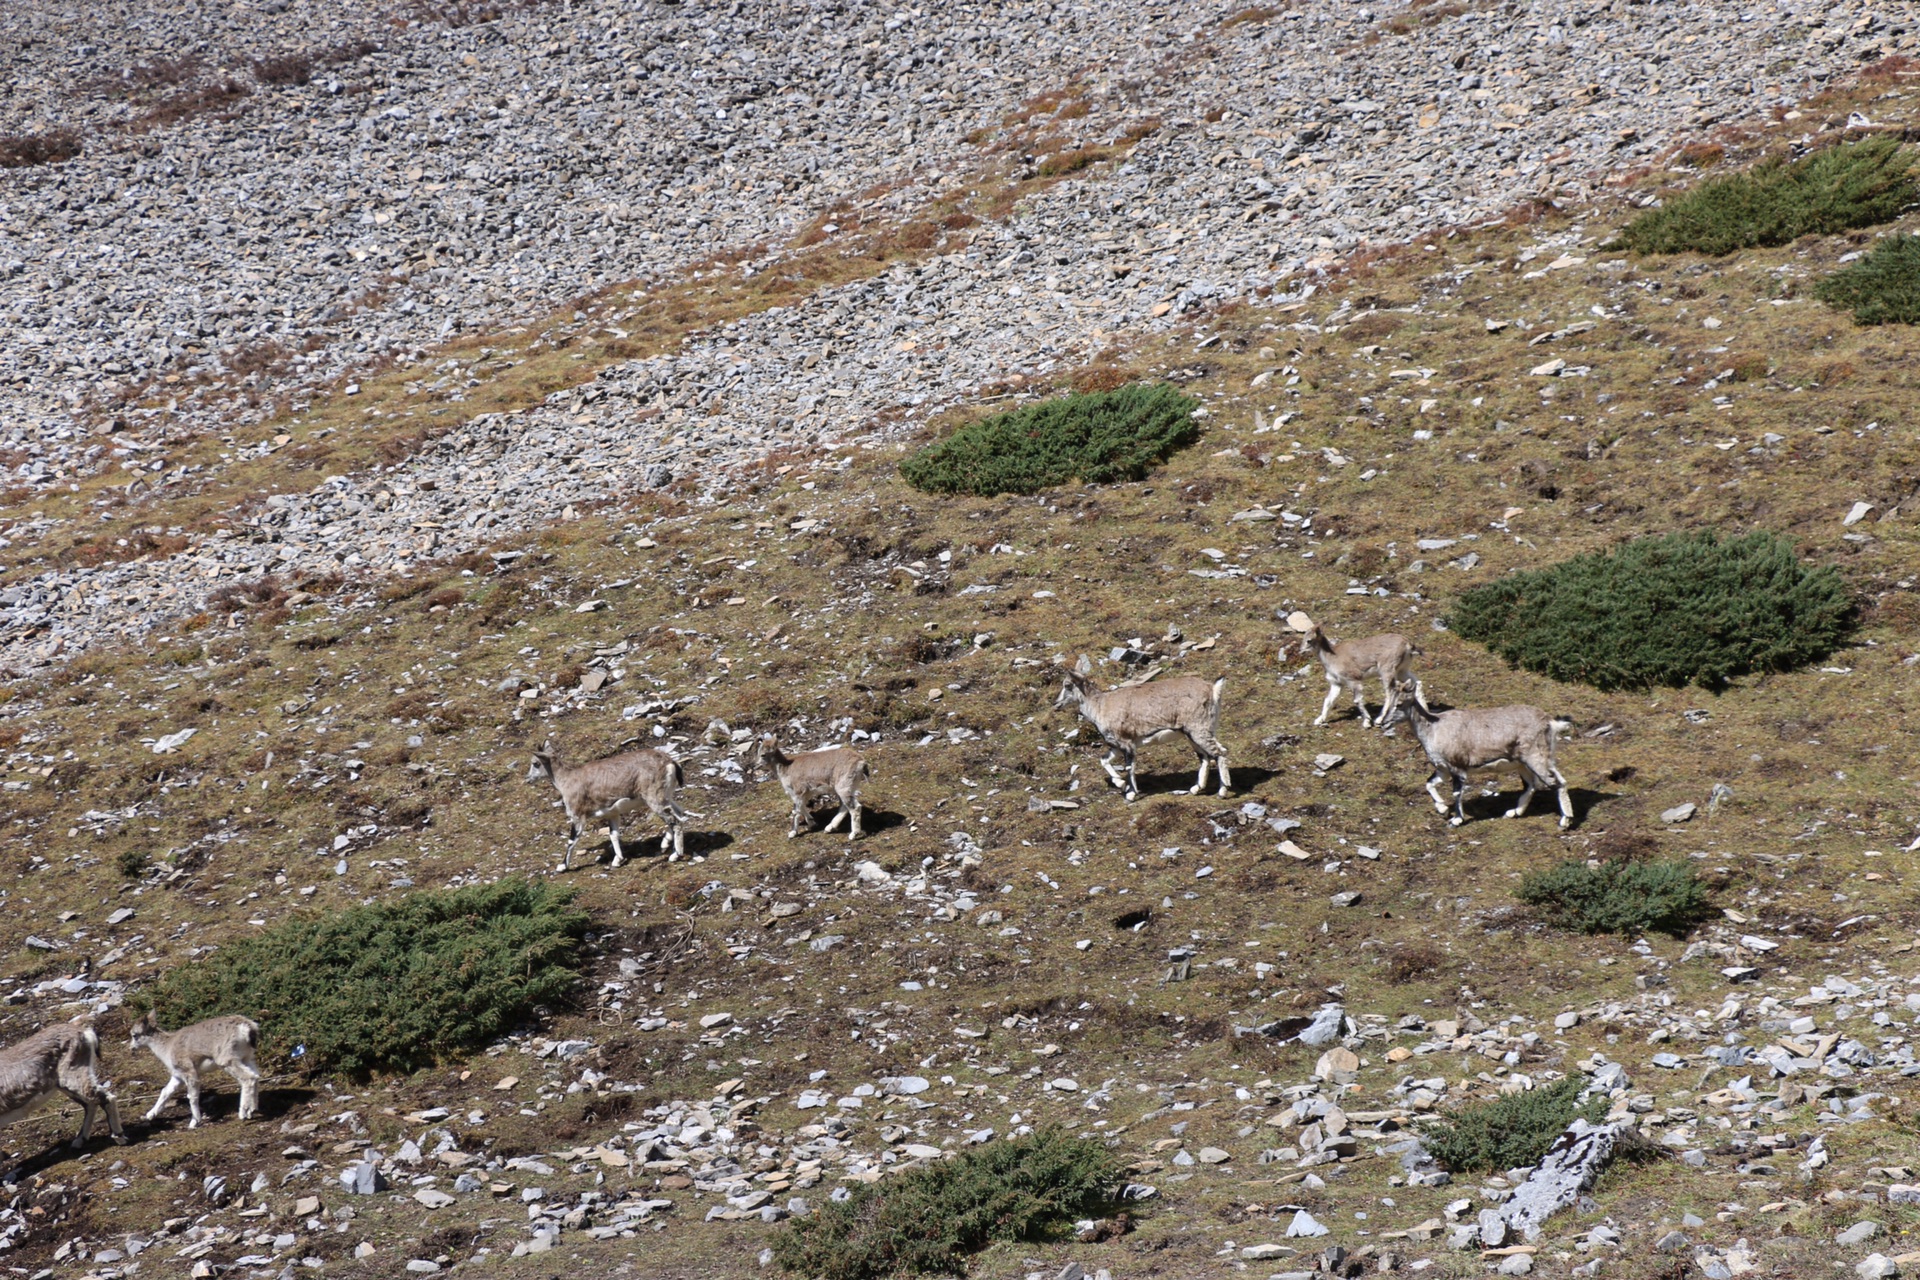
[
  {"x": 1619, "y": 897},
  {"x": 1514, "y": 1131},
  {"x": 1881, "y": 288},
  {"x": 929, "y": 1220},
  {"x": 1673, "y": 610},
  {"x": 1098, "y": 438},
  {"x": 1859, "y": 184},
  {"x": 393, "y": 987}
]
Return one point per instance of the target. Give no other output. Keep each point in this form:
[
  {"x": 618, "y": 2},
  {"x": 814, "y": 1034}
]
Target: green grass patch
[
  {"x": 394, "y": 987},
  {"x": 1098, "y": 438},
  {"x": 1619, "y": 897},
  {"x": 1881, "y": 288},
  {"x": 1860, "y": 184},
  {"x": 1684, "y": 608},
  {"x": 1514, "y": 1131},
  {"x": 928, "y": 1221}
]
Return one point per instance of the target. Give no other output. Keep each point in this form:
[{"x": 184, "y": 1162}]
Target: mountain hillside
[{"x": 395, "y": 392}]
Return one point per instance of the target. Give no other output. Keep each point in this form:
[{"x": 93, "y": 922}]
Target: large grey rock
[
  {"x": 363, "y": 1178},
  {"x": 1672, "y": 1242},
  {"x": 1328, "y": 1025},
  {"x": 1570, "y": 1166}
]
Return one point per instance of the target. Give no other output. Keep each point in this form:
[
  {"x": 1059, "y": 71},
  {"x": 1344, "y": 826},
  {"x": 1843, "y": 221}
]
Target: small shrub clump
[
  {"x": 1858, "y": 184},
  {"x": 1881, "y": 288},
  {"x": 219, "y": 97},
  {"x": 24, "y": 150},
  {"x": 394, "y": 987},
  {"x": 1514, "y": 1131},
  {"x": 929, "y": 1220},
  {"x": 1099, "y": 438},
  {"x": 1619, "y": 896},
  {"x": 1412, "y": 961},
  {"x": 1686, "y": 608},
  {"x": 283, "y": 68}
]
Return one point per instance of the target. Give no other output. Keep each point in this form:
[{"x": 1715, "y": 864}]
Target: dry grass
[
  {"x": 1412, "y": 961},
  {"x": 1071, "y": 160},
  {"x": 285, "y": 68},
  {"x": 1418, "y": 14},
  {"x": 1251, "y": 14},
  {"x": 219, "y": 100},
  {"x": 1700, "y": 155},
  {"x": 160, "y": 73},
  {"x": 24, "y": 150}
]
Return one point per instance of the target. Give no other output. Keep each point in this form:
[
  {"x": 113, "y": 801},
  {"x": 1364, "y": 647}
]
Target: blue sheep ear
[{"x": 1084, "y": 667}]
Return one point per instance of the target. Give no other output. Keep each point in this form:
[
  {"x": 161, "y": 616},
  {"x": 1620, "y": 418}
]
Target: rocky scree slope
[{"x": 208, "y": 279}]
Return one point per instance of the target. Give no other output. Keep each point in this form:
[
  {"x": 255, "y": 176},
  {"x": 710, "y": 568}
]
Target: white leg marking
[
  {"x": 249, "y": 1077},
  {"x": 166, "y": 1093}
]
